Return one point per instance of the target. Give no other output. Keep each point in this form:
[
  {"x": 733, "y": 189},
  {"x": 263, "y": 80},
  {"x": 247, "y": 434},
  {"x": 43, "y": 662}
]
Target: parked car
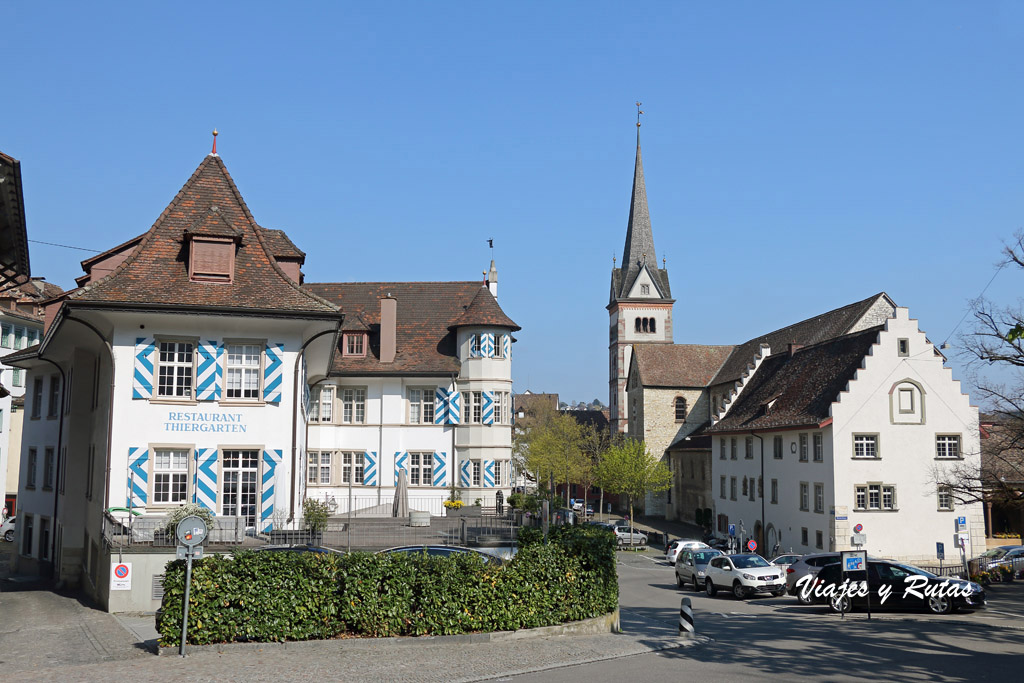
[
  {"x": 692, "y": 565},
  {"x": 673, "y": 549},
  {"x": 784, "y": 561},
  {"x": 1003, "y": 556},
  {"x": 745, "y": 574},
  {"x": 443, "y": 551},
  {"x": 579, "y": 506},
  {"x": 930, "y": 592},
  {"x": 7, "y": 529},
  {"x": 808, "y": 565},
  {"x": 601, "y": 525},
  {"x": 299, "y": 548},
  {"x": 625, "y": 537}
]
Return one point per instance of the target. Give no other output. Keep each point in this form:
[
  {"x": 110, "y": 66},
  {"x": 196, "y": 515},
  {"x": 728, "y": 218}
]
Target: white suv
[{"x": 744, "y": 575}]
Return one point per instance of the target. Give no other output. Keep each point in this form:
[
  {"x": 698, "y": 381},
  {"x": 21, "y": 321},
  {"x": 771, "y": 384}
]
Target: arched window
[
  {"x": 653, "y": 325},
  {"x": 636, "y": 324},
  {"x": 645, "y": 321},
  {"x": 680, "y": 409}
]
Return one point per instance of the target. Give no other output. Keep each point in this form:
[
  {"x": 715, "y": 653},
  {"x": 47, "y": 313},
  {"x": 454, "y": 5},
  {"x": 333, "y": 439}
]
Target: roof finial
[
  {"x": 638, "y": 112},
  {"x": 214, "y": 141}
]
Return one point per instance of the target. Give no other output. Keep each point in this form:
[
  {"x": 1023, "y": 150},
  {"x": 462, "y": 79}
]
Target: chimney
[
  {"x": 492, "y": 280},
  {"x": 388, "y": 328},
  {"x": 793, "y": 348}
]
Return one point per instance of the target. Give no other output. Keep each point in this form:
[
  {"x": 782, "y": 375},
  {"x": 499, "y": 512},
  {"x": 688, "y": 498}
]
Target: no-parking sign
[
  {"x": 120, "y": 576},
  {"x": 751, "y": 545}
]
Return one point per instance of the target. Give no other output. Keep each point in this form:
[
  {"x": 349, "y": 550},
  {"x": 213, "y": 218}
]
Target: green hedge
[{"x": 266, "y": 596}]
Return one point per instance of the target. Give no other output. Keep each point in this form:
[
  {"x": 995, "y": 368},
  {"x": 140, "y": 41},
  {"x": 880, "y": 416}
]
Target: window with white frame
[
  {"x": 321, "y": 403},
  {"x": 498, "y": 481},
  {"x": 865, "y": 446},
  {"x": 819, "y": 448},
  {"x": 30, "y": 476},
  {"x": 474, "y": 346},
  {"x": 903, "y": 347},
  {"x": 804, "y": 496},
  {"x": 777, "y": 447},
  {"x": 242, "y": 371},
  {"x": 499, "y": 346},
  {"x": 476, "y": 473},
  {"x": 721, "y": 448},
  {"x": 752, "y": 489},
  {"x": 37, "y": 397},
  {"x": 875, "y": 497},
  {"x": 175, "y": 370},
  {"x": 732, "y": 448},
  {"x": 947, "y": 446},
  {"x": 6, "y": 337},
  {"x": 803, "y": 448},
  {"x": 819, "y": 498},
  {"x": 48, "y": 467},
  {"x": 353, "y": 405},
  {"x": 170, "y": 476},
  {"x": 18, "y": 377},
  {"x": 318, "y": 468},
  {"x": 645, "y": 289},
  {"x": 748, "y": 448},
  {"x": 721, "y": 487},
  {"x": 945, "y": 498},
  {"x": 421, "y": 405},
  {"x": 472, "y": 407},
  {"x": 906, "y": 400},
  {"x": 500, "y": 400},
  {"x": 355, "y": 345},
  {"x": 421, "y": 469},
  {"x": 20, "y": 338},
  {"x": 53, "y": 405},
  {"x": 240, "y": 484},
  {"x": 352, "y": 467},
  {"x": 732, "y": 488}
]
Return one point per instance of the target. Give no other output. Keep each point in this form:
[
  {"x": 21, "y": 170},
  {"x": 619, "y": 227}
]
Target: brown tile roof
[
  {"x": 156, "y": 273},
  {"x": 22, "y": 354},
  {"x": 811, "y": 331},
  {"x": 426, "y": 310},
  {"x": 484, "y": 310},
  {"x": 803, "y": 385},
  {"x": 280, "y": 244},
  {"x": 678, "y": 365}
]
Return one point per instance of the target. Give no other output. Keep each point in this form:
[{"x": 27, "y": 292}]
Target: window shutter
[
  {"x": 370, "y": 468},
  {"x": 209, "y": 371},
  {"x": 440, "y": 469},
  {"x": 401, "y": 458},
  {"x": 467, "y": 478},
  {"x": 142, "y": 380},
  {"x": 273, "y": 373},
  {"x": 440, "y": 406},
  {"x": 212, "y": 259},
  {"x": 506, "y": 344},
  {"x": 472, "y": 346},
  {"x": 487, "y": 345},
  {"x": 206, "y": 478},
  {"x": 271, "y": 459},
  {"x": 488, "y": 473},
  {"x": 138, "y": 477},
  {"x": 454, "y": 406},
  {"x": 487, "y": 407}
]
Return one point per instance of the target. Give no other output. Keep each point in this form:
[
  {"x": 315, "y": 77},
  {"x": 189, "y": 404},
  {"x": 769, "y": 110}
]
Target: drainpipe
[
  {"x": 56, "y": 474},
  {"x": 295, "y": 413},
  {"x": 764, "y": 522}
]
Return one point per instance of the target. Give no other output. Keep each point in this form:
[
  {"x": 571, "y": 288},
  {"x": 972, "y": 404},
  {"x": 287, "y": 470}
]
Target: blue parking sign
[
  {"x": 854, "y": 564},
  {"x": 732, "y": 529}
]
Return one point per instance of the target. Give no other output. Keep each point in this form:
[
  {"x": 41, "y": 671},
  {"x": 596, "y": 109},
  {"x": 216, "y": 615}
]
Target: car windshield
[
  {"x": 914, "y": 570},
  {"x": 705, "y": 556},
  {"x": 995, "y": 553},
  {"x": 749, "y": 561},
  {"x": 786, "y": 559}
]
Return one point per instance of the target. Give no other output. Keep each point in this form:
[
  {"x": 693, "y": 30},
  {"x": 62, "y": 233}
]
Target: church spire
[{"x": 639, "y": 236}]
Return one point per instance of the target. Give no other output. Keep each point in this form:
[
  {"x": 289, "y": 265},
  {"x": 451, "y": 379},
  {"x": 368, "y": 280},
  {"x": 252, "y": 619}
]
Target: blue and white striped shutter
[
  {"x": 506, "y": 345},
  {"x": 208, "y": 374},
  {"x": 206, "y": 478},
  {"x": 472, "y": 347},
  {"x": 467, "y": 478},
  {"x": 138, "y": 477},
  {"x": 370, "y": 468},
  {"x": 487, "y": 409},
  {"x": 273, "y": 374},
  {"x": 440, "y": 469},
  {"x": 142, "y": 378},
  {"x": 271, "y": 459},
  {"x": 454, "y": 407},
  {"x": 401, "y": 458},
  {"x": 440, "y": 406},
  {"x": 488, "y": 473},
  {"x": 487, "y": 344}
]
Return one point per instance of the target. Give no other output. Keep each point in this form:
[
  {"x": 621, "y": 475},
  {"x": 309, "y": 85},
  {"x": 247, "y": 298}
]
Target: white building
[{"x": 815, "y": 440}]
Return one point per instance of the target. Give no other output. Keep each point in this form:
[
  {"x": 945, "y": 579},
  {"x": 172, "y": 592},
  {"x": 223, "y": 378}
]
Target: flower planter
[{"x": 465, "y": 511}]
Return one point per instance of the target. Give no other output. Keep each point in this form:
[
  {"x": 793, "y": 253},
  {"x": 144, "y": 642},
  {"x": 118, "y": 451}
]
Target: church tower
[{"x": 640, "y": 305}]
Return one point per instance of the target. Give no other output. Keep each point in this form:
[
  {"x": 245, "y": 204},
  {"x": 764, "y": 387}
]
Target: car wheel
[
  {"x": 739, "y": 591},
  {"x": 940, "y": 605},
  {"x": 803, "y": 599},
  {"x": 621, "y": 543},
  {"x": 840, "y": 604},
  {"x": 709, "y": 587},
  {"x": 680, "y": 582},
  {"x": 9, "y": 536},
  {"x": 696, "y": 586}
]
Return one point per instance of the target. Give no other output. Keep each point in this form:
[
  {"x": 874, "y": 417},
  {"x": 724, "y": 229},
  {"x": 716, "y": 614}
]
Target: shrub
[
  {"x": 187, "y": 510},
  {"x": 260, "y": 596},
  {"x": 315, "y": 514}
]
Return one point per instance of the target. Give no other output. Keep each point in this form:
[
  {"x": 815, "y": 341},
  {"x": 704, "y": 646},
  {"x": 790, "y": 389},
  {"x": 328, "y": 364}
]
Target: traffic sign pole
[{"x": 191, "y": 531}]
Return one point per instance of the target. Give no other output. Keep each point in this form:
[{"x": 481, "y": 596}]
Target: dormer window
[
  {"x": 211, "y": 259},
  {"x": 355, "y": 344}
]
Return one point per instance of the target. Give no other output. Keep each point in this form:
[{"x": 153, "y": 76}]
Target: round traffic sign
[
  {"x": 121, "y": 571},
  {"x": 751, "y": 545},
  {"x": 859, "y": 528},
  {"x": 191, "y": 531}
]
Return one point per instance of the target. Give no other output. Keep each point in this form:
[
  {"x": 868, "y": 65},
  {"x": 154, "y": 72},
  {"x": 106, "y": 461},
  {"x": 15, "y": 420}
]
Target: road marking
[{"x": 1009, "y": 614}]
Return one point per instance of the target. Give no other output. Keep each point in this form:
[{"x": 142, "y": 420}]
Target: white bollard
[{"x": 686, "y": 629}]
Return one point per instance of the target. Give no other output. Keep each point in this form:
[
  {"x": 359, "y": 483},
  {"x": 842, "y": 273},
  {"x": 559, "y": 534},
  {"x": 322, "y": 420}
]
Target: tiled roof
[
  {"x": 800, "y": 387},
  {"x": 811, "y": 331},
  {"x": 21, "y": 315},
  {"x": 22, "y": 354},
  {"x": 156, "y": 273},
  {"x": 484, "y": 310},
  {"x": 678, "y": 365},
  {"x": 425, "y": 344},
  {"x": 280, "y": 245}
]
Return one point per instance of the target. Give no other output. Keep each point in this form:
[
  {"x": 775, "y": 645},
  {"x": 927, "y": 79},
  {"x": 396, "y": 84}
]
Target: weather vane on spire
[
  {"x": 638, "y": 112},
  {"x": 215, "y": 141}
]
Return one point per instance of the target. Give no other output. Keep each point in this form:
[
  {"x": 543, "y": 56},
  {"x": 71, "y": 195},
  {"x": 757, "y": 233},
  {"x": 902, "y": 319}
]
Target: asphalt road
[{"x": 777, "y": 639}]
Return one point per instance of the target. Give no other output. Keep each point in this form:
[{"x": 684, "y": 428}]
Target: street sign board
[
  {"x": 732, "y": 529},
  {"x": 854, "y": 560},
  {"x": 751, "y": 545},
  {"x": 181, "y": 553},
  {"x": 940, "y": 550},
  {"x": 961, "y": 524},
  {"x": 962, "y": 541},
  {"x": 859, "y": 539},
  {"x": 191, "y": 531},
  {"x": 841, "y": 518},
  {"x": 858, "y": 528},
  {"x": 120, "y": 576}
]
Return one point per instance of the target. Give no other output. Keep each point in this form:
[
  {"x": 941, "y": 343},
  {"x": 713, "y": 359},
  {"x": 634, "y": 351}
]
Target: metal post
[
  {"x": 188, "y": 585},
  {"x": 686, "y": 629},
  {"x": 545, "y": 515},
  {"x": 348, "y": 527}
]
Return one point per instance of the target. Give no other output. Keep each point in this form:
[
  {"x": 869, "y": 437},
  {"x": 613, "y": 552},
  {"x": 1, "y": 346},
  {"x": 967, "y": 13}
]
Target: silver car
[
  {"x": 691, "y": 566},
  {"x": 808, "y": 565}
]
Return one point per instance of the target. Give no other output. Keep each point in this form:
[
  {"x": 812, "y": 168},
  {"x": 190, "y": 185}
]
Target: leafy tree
[{"x": 628, "y": 468}]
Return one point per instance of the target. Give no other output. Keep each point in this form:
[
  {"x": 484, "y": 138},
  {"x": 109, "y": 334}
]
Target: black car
[
  {"x": 894, "y": 585},
  {"x": 444, "y": 551},
  {"x": 299, "y": 548}
]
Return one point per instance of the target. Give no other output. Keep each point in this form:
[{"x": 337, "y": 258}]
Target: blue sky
[{"x": 798, "y": 156}]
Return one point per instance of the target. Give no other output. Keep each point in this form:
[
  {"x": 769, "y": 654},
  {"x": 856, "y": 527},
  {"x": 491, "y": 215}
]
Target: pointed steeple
[{"x": 639, "y": 248}]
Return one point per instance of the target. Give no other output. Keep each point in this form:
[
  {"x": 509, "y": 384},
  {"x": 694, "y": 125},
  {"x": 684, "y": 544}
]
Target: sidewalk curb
[{"x": 607, "y": 623}]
